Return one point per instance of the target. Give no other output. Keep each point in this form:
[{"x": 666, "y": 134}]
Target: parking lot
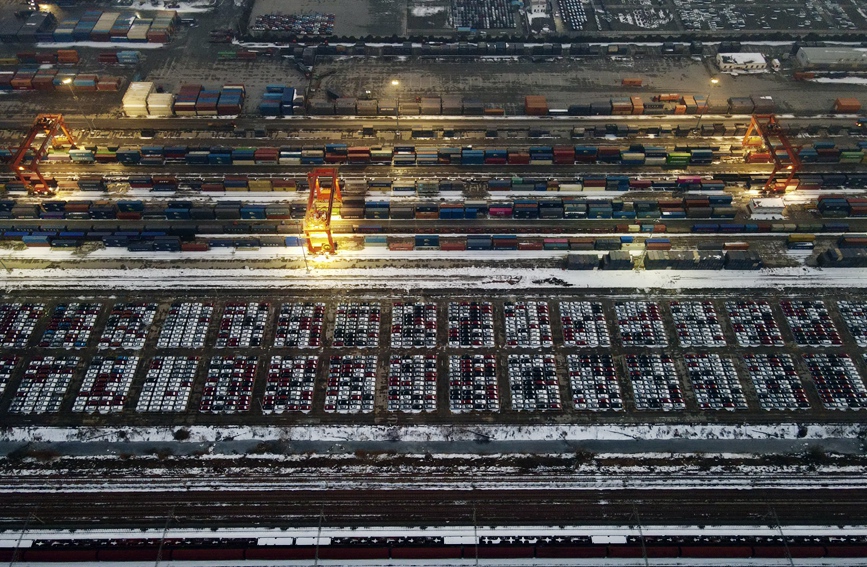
[
  {"x": 186, "y": 325},
  {"x": 242, "y": 325},
  {"x": 289, "y": 384},
  {"x": 168, "y": 384},
  {"x": 485, "y": 361},
  {"x": 17, "y": 322},
  {"x": 854, "y": 314},
  {"x": 528, "y": 324},
  {"x": 229, "y": 384},
  {"x": 697, "y": 324},
  {"x": 414, "y": 325},
  {"x": 640, "y": 324},
  {"x": 356, "y": 325},
  {"x": 351, "y": 384},
  {"x": 412, "y": 383},
  {"x": 811, "y": 323},
  {"x": 471, "y": 324},
  {"x": 715, "y": 383},
  {"x": 754, "y": 324},
  {"x": 106, "y": 384},
  {"x": 127, "y": 326},
  {"x": 299, "y": 325}
]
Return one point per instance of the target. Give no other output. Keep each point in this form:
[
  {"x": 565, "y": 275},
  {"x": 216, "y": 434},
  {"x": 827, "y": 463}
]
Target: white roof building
[
  {"x": 843, "y": 58},
  {"x": 741, "y": 61}
]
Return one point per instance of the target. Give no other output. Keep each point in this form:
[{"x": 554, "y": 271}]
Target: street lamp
[
  {"x": 713, "y": 82},
  {"x": 68, "y": 82},
  {"x": 396, "y": 84}
]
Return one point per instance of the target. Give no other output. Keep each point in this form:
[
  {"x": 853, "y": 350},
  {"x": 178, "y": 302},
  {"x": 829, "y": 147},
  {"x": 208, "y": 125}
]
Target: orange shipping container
[
  {"x": 847, "y": 105},
  {"x": 632, "y": 82},
  {"x": 680, "y": 109}
]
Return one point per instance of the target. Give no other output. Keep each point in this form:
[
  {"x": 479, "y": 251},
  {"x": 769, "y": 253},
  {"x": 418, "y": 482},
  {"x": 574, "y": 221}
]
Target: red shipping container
[
  {"x": 128, "y": 216},
  {"x": 194, "y": 247},
  {"x": 531, "y": 245}
]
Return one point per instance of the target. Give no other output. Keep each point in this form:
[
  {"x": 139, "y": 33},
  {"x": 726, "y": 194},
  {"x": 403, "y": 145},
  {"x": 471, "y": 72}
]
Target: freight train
[
  {"x": 405, "y": 548},
  {"x": 412, "y": 155}
]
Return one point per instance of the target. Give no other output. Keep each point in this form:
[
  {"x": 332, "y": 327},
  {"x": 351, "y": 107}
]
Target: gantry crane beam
[
  {"x": 49, "y": 125},
  {"x": 320, "y": 203},
  {"x": 768, "y": 128}
]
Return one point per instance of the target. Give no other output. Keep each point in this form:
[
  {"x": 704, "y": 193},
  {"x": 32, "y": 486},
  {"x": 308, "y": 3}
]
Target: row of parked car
[
  {"x": 473, "y": 383},
  {"x": 351, "y": 384},
  {"x": 471, "y": 324},
  {"x": 412, "y": 383},
  {"x": 229, "y": 384},
  {"x": 584, "y": 324},
  {"x": 356, "y": 324},
  {"x": 17, "y": 322},
  {"x": 44, "y": 384},
  {"x": 7, "y": 365},
  {"x": 811, "y": 323},
  {"x": 186, "y": 325},
  {"x": 528, "y": 324},
  {"x": 106, "y": 384},
  {"x": 289, "y": 384},
  {"x": 654, "y": 381},
  {"x": 168, "y": 384},
  {"x": 640, "y": 324},
  {"x": 299, "y": 325},
  {"x": 533, "y": 382},
  {"x": 127, "y": 326},
  {"x": 697, "y": 324},
  {"x": 837, "y": 381},
  {"x": 715, "y": 382},
  {"x": 242, "y": 325},
  {"x": 594, "y": 384},
  {"x": 414, "y": 325}
]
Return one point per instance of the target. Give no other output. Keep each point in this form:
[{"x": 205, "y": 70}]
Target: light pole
[
  {"x": 68, "y": 82},
  {"x": 713, "y": 82},
  {"x": 396, "y": 84}
]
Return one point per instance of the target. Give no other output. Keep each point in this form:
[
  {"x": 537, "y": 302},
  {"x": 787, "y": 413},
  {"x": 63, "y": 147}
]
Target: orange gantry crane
[
  {"x": 324, "y": 192},
  {"x": 49, "y": 126},
  {"x": 768, "y": 128}
]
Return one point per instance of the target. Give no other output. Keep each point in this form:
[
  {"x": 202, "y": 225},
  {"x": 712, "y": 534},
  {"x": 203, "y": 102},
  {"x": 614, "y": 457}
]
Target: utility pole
[
  {"x": 640, "y": 534},
  {"x": 163, "y": 536}
]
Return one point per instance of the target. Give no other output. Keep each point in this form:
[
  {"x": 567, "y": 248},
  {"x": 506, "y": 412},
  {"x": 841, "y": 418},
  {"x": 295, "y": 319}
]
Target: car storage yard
[{"x": 374, "y": 358}]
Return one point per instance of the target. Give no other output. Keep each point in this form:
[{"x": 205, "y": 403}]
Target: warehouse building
[
  {"x": 741, "y": 62},
  {"x": 833, "y": 58}
]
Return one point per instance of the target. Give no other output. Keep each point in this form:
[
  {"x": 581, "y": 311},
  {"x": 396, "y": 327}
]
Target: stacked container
[
  {"x": 535, "y": 105},
  {"x": 102, "y": 29},
  {"x": 160, "y": 104},
  {"x": 138, "y": 31},
  {"x": 85, "y": 25},
  {"x": 162, "y": 27},
  {"x": 121, "y": 27},
  {"x": 135, "y": 99},
  {"x": 185, "y": 103},
  {"x": 231, "y": 100}
]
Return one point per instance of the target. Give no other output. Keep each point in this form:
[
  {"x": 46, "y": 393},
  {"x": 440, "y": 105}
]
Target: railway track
[{"x": 436, "y": 507}]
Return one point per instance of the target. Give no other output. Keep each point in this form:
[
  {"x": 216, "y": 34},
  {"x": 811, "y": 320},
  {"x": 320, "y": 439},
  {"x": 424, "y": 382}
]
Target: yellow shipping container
[{"x": 259, "y": 185}]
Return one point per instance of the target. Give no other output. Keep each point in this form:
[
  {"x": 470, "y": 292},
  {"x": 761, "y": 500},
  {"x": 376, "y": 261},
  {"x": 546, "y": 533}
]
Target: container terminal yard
[{"x": 485, "y": 284}]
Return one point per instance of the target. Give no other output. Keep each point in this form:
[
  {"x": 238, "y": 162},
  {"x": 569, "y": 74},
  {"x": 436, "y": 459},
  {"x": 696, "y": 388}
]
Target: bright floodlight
[
  {"x": 714, "y": 81},
  {"x": 67, "y": 80},
  {"x": 394, "y": 82}
]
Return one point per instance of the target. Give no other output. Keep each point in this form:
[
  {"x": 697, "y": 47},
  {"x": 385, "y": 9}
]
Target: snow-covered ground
[
  {"x": 397, "y": 279},
  {"x": 429, "y": 433}
]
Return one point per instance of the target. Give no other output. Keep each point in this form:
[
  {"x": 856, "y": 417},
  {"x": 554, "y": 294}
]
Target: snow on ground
[
  {"x": 99, "y": 45},
  {"x": 422, "y": 11},
  {"x": 431, "y": 433},
  {"x": 397, "y": 279},
  {"x": 179, "y": 7},
  {"x": 842, "y": 81}
]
